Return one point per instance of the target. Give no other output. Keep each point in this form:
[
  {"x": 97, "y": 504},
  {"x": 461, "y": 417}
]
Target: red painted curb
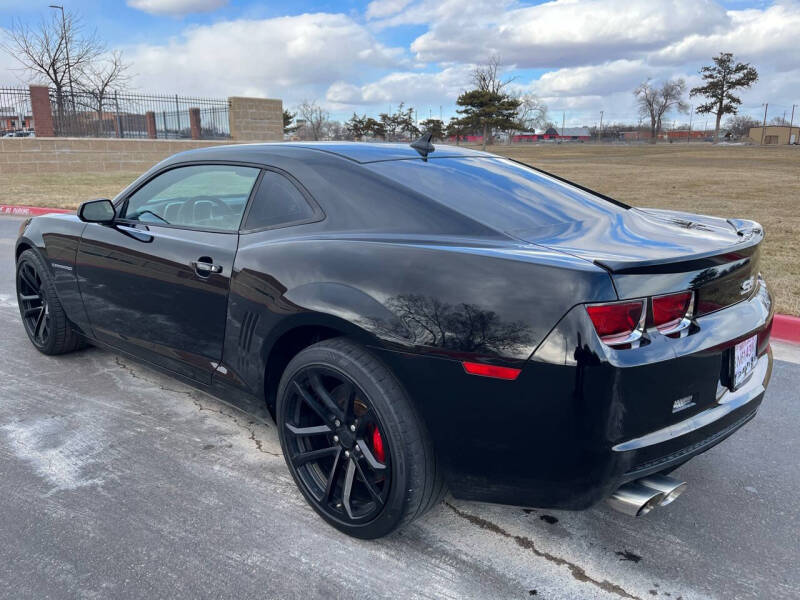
[
  {"x": 31, "y": 211},
  {"x": 786, "y": 328}
]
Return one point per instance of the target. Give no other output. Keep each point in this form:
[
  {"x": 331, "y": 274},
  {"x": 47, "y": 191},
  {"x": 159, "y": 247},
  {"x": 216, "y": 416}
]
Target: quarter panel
[{"x": 494, "y": 302}]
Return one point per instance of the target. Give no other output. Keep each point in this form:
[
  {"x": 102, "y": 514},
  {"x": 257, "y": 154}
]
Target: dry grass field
[
  {"x": 760, "y": 183},
  {"x": 730, "y": 181},
  {"x": 59, "y": 190}
]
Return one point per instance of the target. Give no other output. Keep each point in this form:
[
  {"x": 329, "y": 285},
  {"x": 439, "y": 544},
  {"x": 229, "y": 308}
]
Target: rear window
[
  {"x": 277, "y": 202},
  {"x": 498, "y": 192}
]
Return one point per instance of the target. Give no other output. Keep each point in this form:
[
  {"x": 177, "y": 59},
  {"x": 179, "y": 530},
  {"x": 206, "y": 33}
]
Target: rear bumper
[
  {"x": 673, "y": 445},
  {"x": 583, "y": 419}
]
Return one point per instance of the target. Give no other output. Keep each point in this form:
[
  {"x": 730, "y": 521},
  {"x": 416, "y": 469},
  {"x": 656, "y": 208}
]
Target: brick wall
[
  {"x": 256, "y": 119},
  {"x": 86, "y": 155}
]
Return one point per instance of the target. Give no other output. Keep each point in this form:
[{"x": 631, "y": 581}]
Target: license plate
[{"x": 744, "y": 360}]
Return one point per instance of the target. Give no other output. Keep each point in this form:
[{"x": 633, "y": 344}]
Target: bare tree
[
  {"x": 42, "y": 49},
  {"x": 656, "y": 102},
  {"x": 486, "y": 78},
  {"x": 98, "y": 78},
  {"x": 531, "y": 114},
  {"x": 739, "y": 126},
  {"x": 313, "y": 118}
]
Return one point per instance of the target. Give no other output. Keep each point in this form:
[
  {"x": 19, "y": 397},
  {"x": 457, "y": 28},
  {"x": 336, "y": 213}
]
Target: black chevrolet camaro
[{"x": 419, "y": 319}]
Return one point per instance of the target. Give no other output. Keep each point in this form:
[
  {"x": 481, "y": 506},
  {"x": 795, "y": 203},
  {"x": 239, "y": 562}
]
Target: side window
[
  {"x": 277, "y": 202},
  {"x": 202, "y": 196}
]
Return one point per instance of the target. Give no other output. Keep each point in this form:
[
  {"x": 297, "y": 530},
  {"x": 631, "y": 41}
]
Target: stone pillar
[
  {"x": 42, "y": 111},
  {"x": 150, "y": 120},
  {"x": 256, "y": 119},
  {"x": 194, "y": 122}
]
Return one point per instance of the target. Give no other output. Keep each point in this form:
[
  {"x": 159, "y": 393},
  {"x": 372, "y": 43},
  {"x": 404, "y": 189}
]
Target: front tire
[
  {"x": 44, "y": 318},
  {"x": 353, "y": 442}
]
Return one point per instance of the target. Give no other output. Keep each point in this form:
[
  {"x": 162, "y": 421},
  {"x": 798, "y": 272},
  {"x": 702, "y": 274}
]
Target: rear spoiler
[
  {"x": 751, "y": 238},
  {"x": 744, "y": 227}
]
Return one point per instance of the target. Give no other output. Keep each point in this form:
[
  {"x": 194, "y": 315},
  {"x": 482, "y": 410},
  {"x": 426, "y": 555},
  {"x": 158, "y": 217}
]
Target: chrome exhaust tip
[
  {"x": 635, "y": 499},
  {"x": 671, "y": 488}
]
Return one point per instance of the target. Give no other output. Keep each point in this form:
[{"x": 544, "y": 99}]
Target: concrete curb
[
  {"x": 31, "y": 211},
  {"x": 785, "y": 327}
]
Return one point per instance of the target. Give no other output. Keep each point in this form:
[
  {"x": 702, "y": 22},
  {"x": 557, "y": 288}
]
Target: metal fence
[
  {"x": 124, "y": 115},
  {"x": 16, "y": 117}
]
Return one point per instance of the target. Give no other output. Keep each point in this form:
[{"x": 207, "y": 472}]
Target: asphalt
[{"x": 118, "y": 482}]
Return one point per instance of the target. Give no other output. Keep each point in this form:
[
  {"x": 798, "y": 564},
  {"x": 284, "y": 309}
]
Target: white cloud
[
  {"x": 566, "y": 32},
  {"x": 378, "y": 9},
  {"x": 594, "y": 80},
  {"x": 768, "y": 36},
  {"x": 287, "y": 57},
  {"x": 176, "y": 8},
  {"x": 420, "y": 89}
]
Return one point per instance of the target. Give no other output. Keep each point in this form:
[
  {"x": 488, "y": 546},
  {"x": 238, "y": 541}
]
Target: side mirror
[{"x": 97, "y": 211}]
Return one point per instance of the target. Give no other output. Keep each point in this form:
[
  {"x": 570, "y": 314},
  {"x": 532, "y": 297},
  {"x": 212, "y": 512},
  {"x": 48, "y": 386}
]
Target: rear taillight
[
  {"x": 671, "y": 312},
  {"x": 618, "y": 323}
]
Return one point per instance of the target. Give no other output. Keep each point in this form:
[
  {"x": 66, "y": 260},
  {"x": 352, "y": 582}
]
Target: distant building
[
  {"x": 673, "y": 135},
  {"x": 775, "y": 135},
  {"x": 14, "y": 122},
  {"x": 685, "y": 134},
  {"x": 635, "y": 135},
  {"x": 577, "y": 134}
]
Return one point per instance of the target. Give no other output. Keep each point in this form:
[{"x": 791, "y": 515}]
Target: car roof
[{"x": 360, "y": 152}]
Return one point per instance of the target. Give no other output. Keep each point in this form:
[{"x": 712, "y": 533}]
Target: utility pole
[
  {"x": 563, "y": 119},
  {"x": 66, "y": 51},
  {"x": 689, "y": 133},
  {"x": 791, "y": 124},
  {"x": 764, "y": 126},
  {"x": 600, "y": 132}
]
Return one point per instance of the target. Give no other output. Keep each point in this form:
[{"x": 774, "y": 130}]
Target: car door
[{"x": 155, "y": 283}]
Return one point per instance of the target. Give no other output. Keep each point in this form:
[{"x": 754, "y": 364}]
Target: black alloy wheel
[
  {"x": 43, "y": 317},
  {"x": 334, "y": 442},
  {"x": 32, "y": 299},
  {"x": 353, "y": 441}
]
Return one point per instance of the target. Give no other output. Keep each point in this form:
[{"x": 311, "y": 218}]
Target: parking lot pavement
[{"x": 118, "y": 482}]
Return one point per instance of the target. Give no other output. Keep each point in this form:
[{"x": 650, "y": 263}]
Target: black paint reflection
[{"x": 427, "y": 321}]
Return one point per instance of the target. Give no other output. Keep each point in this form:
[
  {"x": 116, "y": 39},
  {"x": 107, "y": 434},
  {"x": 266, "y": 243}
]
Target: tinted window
[
  {"x": 502, "y": 194},
  {"x": 277, "y": 202},
  {"x": 202, "y": 196}
]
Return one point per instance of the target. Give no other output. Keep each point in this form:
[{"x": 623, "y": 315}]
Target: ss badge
[
  {"x": 747, "y": 286},
  {"x": 682, "y": 403}
]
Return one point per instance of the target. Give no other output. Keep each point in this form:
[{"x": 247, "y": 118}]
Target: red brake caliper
[{"x": 377, "y": 444}]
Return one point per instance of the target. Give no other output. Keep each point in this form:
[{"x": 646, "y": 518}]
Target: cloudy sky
[{"x": 580, "y": 56}]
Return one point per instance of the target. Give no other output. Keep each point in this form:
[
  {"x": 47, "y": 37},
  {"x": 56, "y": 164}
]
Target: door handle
[{"x": 205, "y": 268}]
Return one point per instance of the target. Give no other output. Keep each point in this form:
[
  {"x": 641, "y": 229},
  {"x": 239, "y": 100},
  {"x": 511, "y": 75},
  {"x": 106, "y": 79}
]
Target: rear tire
[
  {"x": 342, "y": 415},
  {"x": 43, "y": 317}
]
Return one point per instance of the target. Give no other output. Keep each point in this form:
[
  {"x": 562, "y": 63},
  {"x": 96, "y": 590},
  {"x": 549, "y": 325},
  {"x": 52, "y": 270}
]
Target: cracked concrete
[{"x": 119, "y": 482}]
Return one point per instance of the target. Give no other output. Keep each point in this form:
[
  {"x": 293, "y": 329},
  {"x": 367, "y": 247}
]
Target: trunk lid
[{"x": 649, "y": 252}]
